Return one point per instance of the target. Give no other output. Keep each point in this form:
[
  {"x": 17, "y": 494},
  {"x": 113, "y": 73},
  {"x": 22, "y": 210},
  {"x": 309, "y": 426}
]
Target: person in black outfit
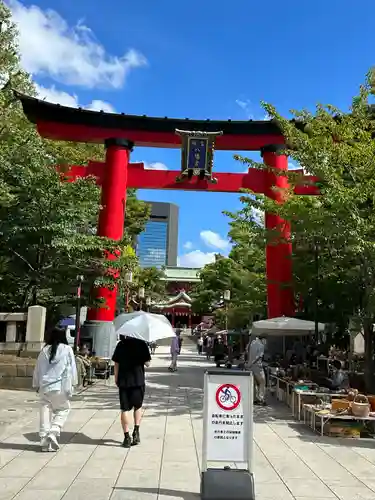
[{"x": 130, "y": 358}]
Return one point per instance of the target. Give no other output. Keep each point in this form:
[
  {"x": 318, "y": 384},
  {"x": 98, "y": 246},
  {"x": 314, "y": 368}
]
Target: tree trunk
[{"x": 368, "y": 331}]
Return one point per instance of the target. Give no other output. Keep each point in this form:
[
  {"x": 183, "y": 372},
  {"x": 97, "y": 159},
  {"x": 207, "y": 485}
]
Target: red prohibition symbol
[{"x": 228, "y": 397}]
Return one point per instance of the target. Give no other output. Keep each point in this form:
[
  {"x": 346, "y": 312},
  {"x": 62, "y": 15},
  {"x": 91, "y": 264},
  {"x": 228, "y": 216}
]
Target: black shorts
[{"x": 131, "y": 398}]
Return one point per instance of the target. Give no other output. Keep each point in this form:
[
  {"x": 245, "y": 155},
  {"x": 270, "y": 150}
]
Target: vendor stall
[
  {"x": 341, "y": 418},
  {"x": 300, "y": 393}
]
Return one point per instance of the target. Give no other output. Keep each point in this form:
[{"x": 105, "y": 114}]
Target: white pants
[
  {"x": 259, "y": 383},
  {"x": 54, "y": 410},
  {"x": 174, "y": 356}
]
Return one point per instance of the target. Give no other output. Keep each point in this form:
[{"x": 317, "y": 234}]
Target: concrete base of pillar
[
  {"x": 34, "y": 346},
  {"x": 103, "y": 336}
]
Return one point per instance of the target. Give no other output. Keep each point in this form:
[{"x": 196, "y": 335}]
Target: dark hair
[
  {"x": 337, "y": 364},
  {"x": 54, "y": 338}
]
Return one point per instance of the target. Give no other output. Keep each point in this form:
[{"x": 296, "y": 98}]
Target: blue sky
[{"x": 187, "y": 59}]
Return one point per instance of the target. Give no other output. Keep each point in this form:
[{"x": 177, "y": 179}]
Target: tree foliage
[
  {"x": 242, "y": 272},
  {"x": 333, "y": 234},
  {"x": 153, "y": 281},
  {"x": 45, "y": 222}
]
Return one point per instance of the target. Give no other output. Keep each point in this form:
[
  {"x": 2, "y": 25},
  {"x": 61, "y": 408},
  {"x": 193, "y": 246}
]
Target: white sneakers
[
  {"x": 49, "y": 443},
  {"x": 54, "y": 442}
]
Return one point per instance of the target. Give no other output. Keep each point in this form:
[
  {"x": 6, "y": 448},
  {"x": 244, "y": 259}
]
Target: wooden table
[
  {"x": 326, "y": 417},
  {"x": 298, "y": 393}
]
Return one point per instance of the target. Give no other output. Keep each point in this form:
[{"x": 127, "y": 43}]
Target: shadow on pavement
[
  {"x": 175, "y": 394},
  {"x": 186, "y": 358},
  {"x": 161, "y": 401},
  {"x": 66, "y": 438},
  {"x": 75, "y": 438},
  {"x": 334, "y": 441},
  {"x": 19, "y": 446},
  {"x": 274, "y": 411},
  {"x": 184, "y": 495}
]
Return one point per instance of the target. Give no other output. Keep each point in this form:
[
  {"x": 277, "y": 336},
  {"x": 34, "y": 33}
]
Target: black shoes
[
  {"x": 131, "y": 441},
  {"x": 127, "y": 441},
  {"x": 136, "y": 437}
]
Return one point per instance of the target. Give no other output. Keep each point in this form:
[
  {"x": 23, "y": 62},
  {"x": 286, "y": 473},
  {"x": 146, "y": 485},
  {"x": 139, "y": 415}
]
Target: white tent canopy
[{"x": 285, "y": 327}]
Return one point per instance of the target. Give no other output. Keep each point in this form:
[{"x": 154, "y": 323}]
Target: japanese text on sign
[
  {"x": 233, "y": 422},
  {"x": 197, "y": 154}
]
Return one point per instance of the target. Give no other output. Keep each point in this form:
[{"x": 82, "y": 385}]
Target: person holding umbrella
[
  {"x": 130, "y": 357},
  {"x": 136, "y": 331}
]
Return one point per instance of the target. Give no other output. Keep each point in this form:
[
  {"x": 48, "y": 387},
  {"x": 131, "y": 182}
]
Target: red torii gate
[{"x": 119, "y": 133}]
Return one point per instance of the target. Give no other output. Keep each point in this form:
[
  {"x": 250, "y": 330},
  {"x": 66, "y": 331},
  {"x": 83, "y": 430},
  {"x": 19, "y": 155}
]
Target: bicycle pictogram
[{"x": 228, "y": 397}]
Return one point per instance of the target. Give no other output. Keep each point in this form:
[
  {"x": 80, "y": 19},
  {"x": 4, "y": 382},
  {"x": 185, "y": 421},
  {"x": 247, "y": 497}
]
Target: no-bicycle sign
[{"x": 228, "y": 397}]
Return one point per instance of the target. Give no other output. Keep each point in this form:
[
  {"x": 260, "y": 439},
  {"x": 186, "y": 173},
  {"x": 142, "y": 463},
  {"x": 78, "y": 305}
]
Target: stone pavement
[
  {"x": 16, "y": 407},
  {"x": 290, "y": 461}
]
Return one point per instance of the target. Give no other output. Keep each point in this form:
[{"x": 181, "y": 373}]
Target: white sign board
[{"x": 228, "y": 417}]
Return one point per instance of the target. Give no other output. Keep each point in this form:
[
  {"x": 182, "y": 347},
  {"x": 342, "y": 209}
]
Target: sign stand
[{"x": 227, "y": 436}]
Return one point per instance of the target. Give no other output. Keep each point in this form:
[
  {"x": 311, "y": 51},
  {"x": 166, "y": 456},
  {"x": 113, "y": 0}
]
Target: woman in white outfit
[{"x": 55, "y": 375}]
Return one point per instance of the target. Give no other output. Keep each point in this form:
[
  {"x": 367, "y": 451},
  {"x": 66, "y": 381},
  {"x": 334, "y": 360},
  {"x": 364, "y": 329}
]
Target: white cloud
[
  {"x": 245, "y": 105},
  {"x": 68, "y": 54},
  {"x": 188, "y": 245},
  {"x": 214, "y": 240},
  {"x": 98, "y": 105},
  {"x": 157, "y": 165},
  {"x": 196, "y": 259},
  {"x": 52, "y": 94}
]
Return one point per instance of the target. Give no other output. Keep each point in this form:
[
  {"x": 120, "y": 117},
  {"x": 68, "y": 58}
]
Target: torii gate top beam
[
  {"x": 140, "y": 178},
  {"x": 79, "y": 125}
]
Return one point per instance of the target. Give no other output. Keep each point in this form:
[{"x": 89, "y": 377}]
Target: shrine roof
[
  {"x": 42, "y": 112},
  {"x": 181, "y": 274}
]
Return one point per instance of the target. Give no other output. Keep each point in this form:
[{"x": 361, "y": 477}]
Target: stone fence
[{"x": 21, "y": 339}]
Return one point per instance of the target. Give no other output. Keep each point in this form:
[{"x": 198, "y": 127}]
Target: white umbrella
[
  {"x": 279, "y": 327},
  {"x": 144, "y": 326}
]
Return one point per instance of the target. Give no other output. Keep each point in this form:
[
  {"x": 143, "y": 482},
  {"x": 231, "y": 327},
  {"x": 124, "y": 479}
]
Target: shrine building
[{"x": 177, "y": 306}]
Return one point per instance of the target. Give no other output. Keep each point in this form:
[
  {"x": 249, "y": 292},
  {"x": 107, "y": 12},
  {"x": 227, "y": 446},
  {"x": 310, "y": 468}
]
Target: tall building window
[{"x": 153, "y": 243}]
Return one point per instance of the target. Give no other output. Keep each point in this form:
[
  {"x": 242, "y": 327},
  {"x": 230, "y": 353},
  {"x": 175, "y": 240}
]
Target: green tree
[
  {"x": 44, "y": 222},
  {"x": 153, "y": 281},
  {"x": 338, "y": 148},
  {"x": 243, "y": 273}
]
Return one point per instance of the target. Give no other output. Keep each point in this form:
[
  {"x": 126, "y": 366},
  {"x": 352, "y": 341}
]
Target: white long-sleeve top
[
  {"x": 58, "y": 375},
  {"x": 256, "y": 353}
]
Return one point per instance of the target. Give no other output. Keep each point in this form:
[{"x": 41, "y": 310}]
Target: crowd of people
[
  {"x": 58, "y": 370},
  {"x": 296, "y": 363}
]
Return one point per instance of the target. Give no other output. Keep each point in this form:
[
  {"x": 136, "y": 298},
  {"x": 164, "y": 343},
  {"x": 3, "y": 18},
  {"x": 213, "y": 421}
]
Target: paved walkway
[{"x": 290, "y": 462}]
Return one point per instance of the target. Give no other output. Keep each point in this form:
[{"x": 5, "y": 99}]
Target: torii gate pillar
[
  {"x": 280, "y": 297},
  {"x": 99, "y": 324}
]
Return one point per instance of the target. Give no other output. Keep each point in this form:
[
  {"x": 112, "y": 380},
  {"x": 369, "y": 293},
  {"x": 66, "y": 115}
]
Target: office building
[{"x": 157, "y": 244}]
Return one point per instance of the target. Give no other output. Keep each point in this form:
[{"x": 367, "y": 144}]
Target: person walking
[
  {"x": 175, "y": 351},
  {"x": 54, "y": 378},
  {"x": 130, "y": 357},
  {"x": 153, "y": 346},
  {"x": 255, "y": 365},
  {"x": 208, "y": 347},
  {"x": 200, "y": 345},
  {"x": 84, "y": 357}
]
